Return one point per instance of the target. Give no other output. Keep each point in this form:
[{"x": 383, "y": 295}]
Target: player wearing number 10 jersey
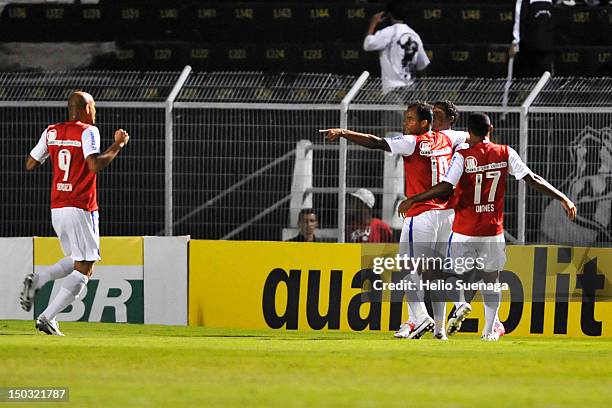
[
  {"x": 74, "y": 149},
  {"x": 426, "y": 154},
  {"x": 479, "y": 170}
]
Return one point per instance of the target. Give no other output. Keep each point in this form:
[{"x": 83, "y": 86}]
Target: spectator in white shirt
[{"x": 400, "y": 48}]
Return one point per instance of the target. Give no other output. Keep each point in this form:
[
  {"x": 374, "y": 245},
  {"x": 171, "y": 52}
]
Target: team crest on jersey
[
  {"x": 425, "y": 148},
  {"x": 471, "y": 163},
  {"x": 51, "y": 135}
]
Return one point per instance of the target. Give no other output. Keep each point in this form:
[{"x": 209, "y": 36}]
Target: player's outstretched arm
[
  {"x": 362, "y": 139},
  {"x": 97, "y": 162},
  {"x": 31, "y": 163},
  {"x": 441, "y": 190},
  {"x": 545, "y": 187}
]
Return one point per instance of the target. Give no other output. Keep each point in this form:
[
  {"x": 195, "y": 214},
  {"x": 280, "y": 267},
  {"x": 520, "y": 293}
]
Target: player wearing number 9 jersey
[
  {"x": 74, "y": 150},
  {"x": 426, "y": 154},
  {"x": 479, "y": 170},
  {"x": 68, "y": 145}
]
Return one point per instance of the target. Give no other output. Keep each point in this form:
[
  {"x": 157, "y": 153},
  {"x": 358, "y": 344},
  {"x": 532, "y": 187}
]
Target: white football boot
[
  {"x": 50, "y": 327},
  {"x": 454, "y": 323}
]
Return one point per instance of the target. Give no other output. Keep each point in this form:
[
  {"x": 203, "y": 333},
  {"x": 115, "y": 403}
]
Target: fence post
[
  {"x": 342, "y": 153},
  {"x": 301, "y": 185},
  {"x": 523, "y": 144},
  {"x": 168, "y": 153}
]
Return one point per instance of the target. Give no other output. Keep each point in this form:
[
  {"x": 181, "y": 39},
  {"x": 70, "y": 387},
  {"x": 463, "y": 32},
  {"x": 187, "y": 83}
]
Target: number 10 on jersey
[{"x": 439, "y": 165}]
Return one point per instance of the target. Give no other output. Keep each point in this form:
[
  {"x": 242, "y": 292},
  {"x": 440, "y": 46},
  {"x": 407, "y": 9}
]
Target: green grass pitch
[{"x": 120, "y": 365}]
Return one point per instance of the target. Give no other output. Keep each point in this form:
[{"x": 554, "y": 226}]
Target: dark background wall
[{"x": 466, "y": 38}]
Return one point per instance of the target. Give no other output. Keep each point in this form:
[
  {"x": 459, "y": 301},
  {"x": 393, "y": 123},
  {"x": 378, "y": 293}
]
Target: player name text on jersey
[
  {"x": 481, "y": 208},
  {"x": 490, "y": 166},
  {"x": 74, "y": 143},
  {"x": 63, "y": 186}
]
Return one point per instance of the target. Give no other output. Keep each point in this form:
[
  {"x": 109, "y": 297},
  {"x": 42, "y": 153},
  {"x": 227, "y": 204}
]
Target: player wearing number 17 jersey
[
  {"x": 426, "y": 154},
  {"x": 74, "y": 150},
  {"x": 478, "y": 171}
]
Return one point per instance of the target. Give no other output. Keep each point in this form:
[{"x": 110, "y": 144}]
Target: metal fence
[{"x": 235, "y": 155}]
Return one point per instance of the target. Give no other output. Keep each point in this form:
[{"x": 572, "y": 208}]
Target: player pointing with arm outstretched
[
  {"x": 478, "y": 172},
  {"x": 74, "y": 149},
  {"x": 426, "y": 154}
]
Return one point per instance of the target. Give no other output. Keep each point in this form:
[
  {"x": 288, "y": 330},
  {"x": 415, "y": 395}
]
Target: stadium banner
[
  {"x": 16, "y": 256},
  {"x": 165, "y": 280},
  {"x": 115, "y": 291},
  {"x": 546, "y": 290}
]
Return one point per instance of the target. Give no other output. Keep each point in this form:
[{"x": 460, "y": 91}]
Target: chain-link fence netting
[{"x": 247, "y": 154}]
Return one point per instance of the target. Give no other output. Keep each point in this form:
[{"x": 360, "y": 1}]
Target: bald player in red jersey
[
  {"x": 74, "y": 149},
  {"x": 478, "y": 171},
  {"x": 426, "y": 154}
]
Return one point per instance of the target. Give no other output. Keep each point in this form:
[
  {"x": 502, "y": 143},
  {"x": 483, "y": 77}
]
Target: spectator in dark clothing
[
  {"x": 308, "y": 222},
  {"x": 533, "y": 38}
]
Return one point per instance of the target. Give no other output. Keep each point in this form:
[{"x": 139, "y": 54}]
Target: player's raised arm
[
  {"x": 97, "y": 162},
  {"x": 545, "y": 187},
  {"x": 519, "y": 169},
  {"x": 362, "y": 139}
]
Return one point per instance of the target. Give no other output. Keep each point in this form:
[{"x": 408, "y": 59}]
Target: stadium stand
[{"x": 463, "y": 38}]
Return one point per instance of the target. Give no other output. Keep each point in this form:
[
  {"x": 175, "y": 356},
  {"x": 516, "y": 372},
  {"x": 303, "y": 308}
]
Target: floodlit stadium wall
[{"x": 138, "y": 280}]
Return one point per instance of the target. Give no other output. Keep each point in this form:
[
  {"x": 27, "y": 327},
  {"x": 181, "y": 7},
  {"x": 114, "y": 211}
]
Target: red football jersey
[
  {"x": 377, "y": 231},
  {"x": 73, "y": 184},
  {"x": 424, "y": 168},
  {"x": 479, "y": 206}
]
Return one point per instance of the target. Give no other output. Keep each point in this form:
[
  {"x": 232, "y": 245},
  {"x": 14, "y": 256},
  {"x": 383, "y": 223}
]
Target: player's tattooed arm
[
  {"x": 362, "y": 139},
  {"x": 441, "y": 190},
  {"x": 546, "y": 188}
]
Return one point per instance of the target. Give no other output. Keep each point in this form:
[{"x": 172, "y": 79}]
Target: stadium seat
[
  {"x": 168, "y": 56},
  {"x": 95, "y": 23},
  {"x": 23, "y": 22},
  {"x": 317, "y": 57},
  {"x": 439, "y": 57},
  {"x": 131, "y": 56},
  {"x": 602, "y": 61},
  {"x": 203, "y": 56},
  {"x": 572, "y": 62},
  {"x": 466, "y": 23},
  {"x": 604, "y": 25},
  {"x": 463, "y": 60},
  {"x": 131, "y": 20},
  {"x": 573, "y": 26},
  {"x": 273, "y": 56},
  {"x": 593, "y": 61},
  {"x": 432, "y": 23},
  {"x": 496, "y": 63}
]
